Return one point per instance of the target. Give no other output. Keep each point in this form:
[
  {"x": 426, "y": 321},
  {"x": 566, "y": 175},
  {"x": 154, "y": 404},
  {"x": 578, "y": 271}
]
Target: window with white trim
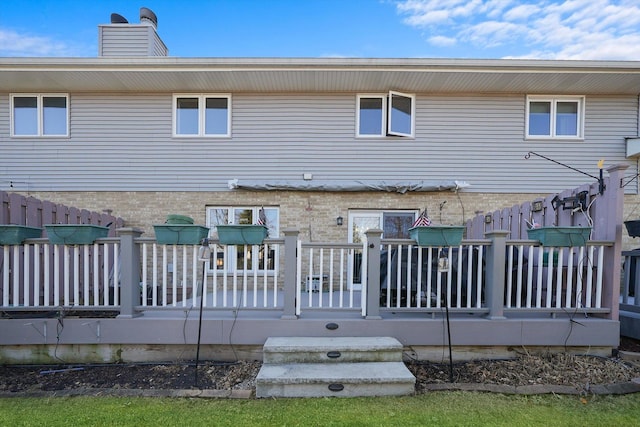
[
  {"x": 391, "y": 114},
  {"x": 258, "y": 256},
  {"x": 395, "y": 224},
  {"x": 555, "y": 117},
  {"x": 40, "y": 115},
  {"x": 201, "y": 115}
]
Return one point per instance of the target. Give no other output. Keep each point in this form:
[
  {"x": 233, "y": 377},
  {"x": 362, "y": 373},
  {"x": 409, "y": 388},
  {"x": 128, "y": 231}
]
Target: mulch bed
[{"x": 561, "y": 369}]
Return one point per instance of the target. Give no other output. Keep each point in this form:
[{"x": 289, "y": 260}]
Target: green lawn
[{"x": 440, "y": 409}]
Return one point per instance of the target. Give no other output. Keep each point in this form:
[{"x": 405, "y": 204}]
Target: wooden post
[
  {"x": 496, "y": 260},
  {"x": 607, "y": 225},
  {"x": 130, "y": 273},
  {"x": 372, "y": 302}
]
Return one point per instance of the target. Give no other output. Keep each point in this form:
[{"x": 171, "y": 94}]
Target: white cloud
[
  {"x": 428, "y": 18},
  {"x": 442, "y": 41},
  {"x": 521, "y": 12},
  {"x": 492, "y": 33},
  {"x": 601, "y": 47},
  {"x": 15, "y": 44},
  {"x": 553, "y": 29}
]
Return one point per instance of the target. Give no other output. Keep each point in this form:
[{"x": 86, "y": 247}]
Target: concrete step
[
  {"x": 334, "y": 379},
  {"x": 331, "y": 350}
]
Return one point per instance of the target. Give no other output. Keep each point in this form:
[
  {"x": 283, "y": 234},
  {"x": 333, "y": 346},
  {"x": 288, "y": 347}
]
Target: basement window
[
  {"x": 555, "y": 117},
  {"x": 380, "y": 115},
  {"x": 201, "y": 115},
  {"x": 39, "y": 115}
]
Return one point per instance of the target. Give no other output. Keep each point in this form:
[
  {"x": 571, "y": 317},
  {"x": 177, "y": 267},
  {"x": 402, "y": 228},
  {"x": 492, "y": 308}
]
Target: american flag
[
  {"x": 262, "y": 217},
  {"x": 423, "y": 220}
]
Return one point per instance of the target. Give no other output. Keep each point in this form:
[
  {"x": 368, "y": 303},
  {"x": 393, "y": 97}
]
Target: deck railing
[
  {"x": 178, "y": 275},
  {"x": 131, "y": 274},
  {"x": 38, "y": 275},
  {"x": 553, "y": 279},
  {"x": 426, "y": 278},
  {"x": 328, "y": 276}
]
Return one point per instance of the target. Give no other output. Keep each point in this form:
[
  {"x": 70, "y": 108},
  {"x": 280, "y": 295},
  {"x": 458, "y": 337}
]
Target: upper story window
[
  {"x": 202, "y": 115},
  {"x": 39, "y": 115},
  {"x": 555, "y": 117},
  {"x": 384, "y": 115}
]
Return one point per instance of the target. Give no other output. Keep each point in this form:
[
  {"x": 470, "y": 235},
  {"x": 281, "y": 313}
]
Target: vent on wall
[{"x": 633, "y": 146}]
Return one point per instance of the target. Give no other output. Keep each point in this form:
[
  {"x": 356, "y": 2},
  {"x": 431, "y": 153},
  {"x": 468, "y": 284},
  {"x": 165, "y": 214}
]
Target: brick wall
[
  {"x": 313, "y": 213},
  {"x": 304, "y": 210}
]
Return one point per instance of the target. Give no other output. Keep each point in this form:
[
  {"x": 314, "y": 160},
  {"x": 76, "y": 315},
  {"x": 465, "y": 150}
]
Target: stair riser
[
  {"x": 322, "y": 390},
  {"x": 323, "y": 357}
]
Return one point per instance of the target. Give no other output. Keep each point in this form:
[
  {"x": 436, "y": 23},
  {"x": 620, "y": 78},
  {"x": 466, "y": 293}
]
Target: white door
[{"x": 394, "y": 225}]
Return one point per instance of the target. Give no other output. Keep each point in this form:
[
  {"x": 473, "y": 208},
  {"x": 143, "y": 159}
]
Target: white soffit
[{"x": 168, "y": 74}]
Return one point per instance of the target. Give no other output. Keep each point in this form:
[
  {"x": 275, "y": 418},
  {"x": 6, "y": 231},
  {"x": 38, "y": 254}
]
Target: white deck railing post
[
  {"x": 290, "y": 272},
  {"x": 130, "y": 273},
  {"x": 372, "y": 301},
  {"x": 495, "y": 285}
]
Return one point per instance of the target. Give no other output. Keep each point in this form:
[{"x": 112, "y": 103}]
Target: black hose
[{"x": 446, "y": 306}]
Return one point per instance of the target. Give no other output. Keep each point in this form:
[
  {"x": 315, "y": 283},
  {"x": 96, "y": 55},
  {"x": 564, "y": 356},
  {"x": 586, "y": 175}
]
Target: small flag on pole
[
  {"x": 262, "y": 217},
  {"x": 423, "y": 220}
]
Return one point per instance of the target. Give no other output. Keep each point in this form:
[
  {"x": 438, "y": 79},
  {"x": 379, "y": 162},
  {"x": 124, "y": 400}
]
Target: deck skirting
[{"x": 173, "y": 336}]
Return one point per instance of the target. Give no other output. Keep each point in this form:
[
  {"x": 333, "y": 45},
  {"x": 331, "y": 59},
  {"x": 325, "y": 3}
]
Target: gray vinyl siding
[
  {"x": 130, "y": 40},
  {"x": 123, "y": 142}
]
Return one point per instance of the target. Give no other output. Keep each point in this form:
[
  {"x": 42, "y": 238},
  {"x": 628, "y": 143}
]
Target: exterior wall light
[
  {"x": 536, "y": 206},
  {"x": 339, "y": 220}
]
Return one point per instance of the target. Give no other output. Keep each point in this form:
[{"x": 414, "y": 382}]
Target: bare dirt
[{"x": 525, "y": 370}]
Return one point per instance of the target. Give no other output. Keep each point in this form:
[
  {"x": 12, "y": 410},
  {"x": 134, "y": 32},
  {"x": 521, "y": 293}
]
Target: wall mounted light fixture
[
  {"x": 339, "y": 220},
  {"x": 536, "y": 206}
]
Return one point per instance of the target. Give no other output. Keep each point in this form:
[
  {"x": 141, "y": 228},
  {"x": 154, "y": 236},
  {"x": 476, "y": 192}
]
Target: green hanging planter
[
  {"x": 75, "y": 234},
  {"x": 179, "y": 219},
  {"x": 180, "y": 234},
  {"x": 560, "y": 236},
  {"x": 437, "y": 235},
  {"x": 11, "y": 234},
  {"x": 242, "y": 234}
]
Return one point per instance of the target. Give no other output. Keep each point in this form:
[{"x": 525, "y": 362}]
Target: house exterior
[
  {"x": 331, "y": 146},
  {"x": 146, "y": 134}
]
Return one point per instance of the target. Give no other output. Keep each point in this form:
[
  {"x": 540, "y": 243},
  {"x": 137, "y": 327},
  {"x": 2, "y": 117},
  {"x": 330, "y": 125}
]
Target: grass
[{"x": 441, "y": 409}]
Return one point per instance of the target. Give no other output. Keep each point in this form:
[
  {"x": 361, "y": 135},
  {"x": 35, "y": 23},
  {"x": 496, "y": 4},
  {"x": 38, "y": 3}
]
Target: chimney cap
[
  {"x": 147, "y": 14},
  {"x": 118, "y": 19}
]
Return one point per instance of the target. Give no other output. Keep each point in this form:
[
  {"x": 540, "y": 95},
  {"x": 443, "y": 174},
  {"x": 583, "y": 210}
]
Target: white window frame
[
  {"x": 40, "y": 114},
  {"x": 390, "y": 114},
  {"x": 202, "y": 99},
  {"x": 232, "y": 250},
  {"x": 554, "y": 100},
  {"x": 370, "y": 214},
  {"x": 383, "y": 124},
  {"x": 387, "y": 111}
]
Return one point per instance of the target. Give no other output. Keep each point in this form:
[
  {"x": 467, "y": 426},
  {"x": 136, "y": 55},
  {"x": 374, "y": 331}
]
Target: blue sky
[{"x": 545, "y": 29}]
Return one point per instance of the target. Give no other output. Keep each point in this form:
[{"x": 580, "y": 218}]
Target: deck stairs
[{"x": 333, "y": 366}]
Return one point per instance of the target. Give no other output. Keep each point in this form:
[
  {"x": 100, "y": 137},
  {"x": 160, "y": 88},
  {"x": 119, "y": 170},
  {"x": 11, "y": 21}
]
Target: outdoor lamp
[{"x": 204, "y": 252}]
